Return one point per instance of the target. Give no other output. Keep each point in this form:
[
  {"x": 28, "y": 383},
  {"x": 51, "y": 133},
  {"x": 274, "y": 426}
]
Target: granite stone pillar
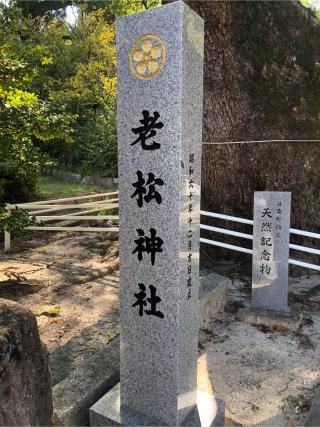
[
  {"x": 271, "y": 232},
  {"x": 160, "y": 72},
  {"x": 160, "y": 62}
]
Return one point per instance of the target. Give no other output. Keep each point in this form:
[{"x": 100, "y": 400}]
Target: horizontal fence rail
[
  {"x": 226, "y": 245},
  {"x": 250, "y": 237},
  {"x": 38, "y": 209},
  {"x": 47, "y": 211},
  {"x": 77, "y": 229},
  {"x": 63, "y": 207},
  {"x": 304, "y": 264},
  {"x": 91, "y": 196},
  {"x": 83, "y": 217},
  {"x": 225, "y": 231},
  {"x": 227, "y": 217},
  {"x": 250, "y": 222}
]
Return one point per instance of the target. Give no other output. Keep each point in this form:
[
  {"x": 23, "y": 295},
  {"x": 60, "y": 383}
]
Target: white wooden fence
[
  {"x": 250, "y": 237},
  {"x": 79, "y": 209}
]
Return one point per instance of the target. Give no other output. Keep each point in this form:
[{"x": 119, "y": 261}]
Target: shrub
[
  {"x": 95, "y": 148},
  {"x": 15, "y": 221}
]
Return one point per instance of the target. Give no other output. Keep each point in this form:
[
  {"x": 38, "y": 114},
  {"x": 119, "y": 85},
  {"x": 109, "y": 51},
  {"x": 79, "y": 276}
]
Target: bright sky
[
  {"x": 313, "y": 4},
  {"x": 72, "y": 14}
]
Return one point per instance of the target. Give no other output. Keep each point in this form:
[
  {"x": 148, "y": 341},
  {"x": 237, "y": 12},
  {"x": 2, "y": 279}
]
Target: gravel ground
[{"x": 266, "y": 378}]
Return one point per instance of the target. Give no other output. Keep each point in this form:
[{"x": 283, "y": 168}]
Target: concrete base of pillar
[{"x": 107, "y": 412}]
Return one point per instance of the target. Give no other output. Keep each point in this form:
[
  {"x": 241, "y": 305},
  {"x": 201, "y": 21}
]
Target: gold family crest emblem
[{"x": 147, "y": 56}]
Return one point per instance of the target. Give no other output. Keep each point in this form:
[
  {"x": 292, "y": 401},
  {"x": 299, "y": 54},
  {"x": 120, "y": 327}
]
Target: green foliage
[
  {"x": 42, "y": 7},
  {"x": 292, "y": 402},
  {"x": 111, "y": 8},
  {"x": 17, "y": 180},
  {"x": 57, "y": 89},
  {"x": 111, "y": 211},
  {"x": 96, "y": 149},
  {"x": 126, "y": 7},
  {"x": 79, "y": 74},
  {"x": 15, "y": 221},
  {"x": 25, "y": 119},
  {"x": 255, "y": 408},
  {"x": 50, "y": 312},
  {"x": 111, "y": 335}
]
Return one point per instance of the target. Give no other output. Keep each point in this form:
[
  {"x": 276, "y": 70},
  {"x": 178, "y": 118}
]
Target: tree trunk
[{"x": 261, "y": 82}]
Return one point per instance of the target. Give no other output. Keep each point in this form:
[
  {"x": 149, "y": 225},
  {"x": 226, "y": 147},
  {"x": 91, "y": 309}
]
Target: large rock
[
  {"x": 25, "y": 389},
  {"x": 105, "y": 182},
  {"x": 72, "y": 177},
  {"x": 88, "y": 180}
]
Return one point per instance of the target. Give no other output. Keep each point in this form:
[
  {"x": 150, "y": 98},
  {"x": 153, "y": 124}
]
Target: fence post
[{"x": 7, "y": 235}]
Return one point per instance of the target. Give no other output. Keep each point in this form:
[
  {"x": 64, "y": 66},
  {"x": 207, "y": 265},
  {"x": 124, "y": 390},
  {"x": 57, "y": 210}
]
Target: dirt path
[{"x": 70, "y": 281}]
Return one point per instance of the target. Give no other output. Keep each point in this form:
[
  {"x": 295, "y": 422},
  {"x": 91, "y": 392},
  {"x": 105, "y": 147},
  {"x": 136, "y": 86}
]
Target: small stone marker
[
  {"x": 271, "y": 233},
  {"x": 160, "y": 80}
]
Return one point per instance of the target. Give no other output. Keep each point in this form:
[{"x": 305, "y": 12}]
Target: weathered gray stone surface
[
  {"x": 313, "y": 418},
  {"x": 212, "y": 297},
  {"x": 107, "y": 182},
  {"x": 159, "y": 355},
  {"x": 88, "y": 180},
  {"x": 72, "y": 177},
  {"x": 271, "y": 232},
  {"x": 73, "y": 396},
  {"x": 277, "y": 320},
  {"x": 25, "y": 389}
]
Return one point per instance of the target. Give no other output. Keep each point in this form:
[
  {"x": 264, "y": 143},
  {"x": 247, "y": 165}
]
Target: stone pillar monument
[
  {"x": 271, "y": 232},
  {"x": 160, "y": 80}
]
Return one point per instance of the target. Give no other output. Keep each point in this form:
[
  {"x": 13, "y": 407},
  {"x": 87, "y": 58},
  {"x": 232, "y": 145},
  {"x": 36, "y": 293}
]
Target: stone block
[
  {"x": 75, "y": 178},
  {"x": 88, "y": 180},
  {"x": 106, "y": 182},
  {"x": 212, "y": 297},
  {"x": 313, "y": 418},
  {"x": 275, "y": 320},
  {"x": 73, "y": 396}
]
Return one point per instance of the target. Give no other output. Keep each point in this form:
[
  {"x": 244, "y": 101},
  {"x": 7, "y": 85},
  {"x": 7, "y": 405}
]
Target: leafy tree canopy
[{"x": 57, "y": 88}]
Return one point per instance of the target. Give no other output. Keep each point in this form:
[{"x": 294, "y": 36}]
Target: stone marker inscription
[
  {"x": 271, "y": 232},
  {"x": 160, "y": 62}
]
